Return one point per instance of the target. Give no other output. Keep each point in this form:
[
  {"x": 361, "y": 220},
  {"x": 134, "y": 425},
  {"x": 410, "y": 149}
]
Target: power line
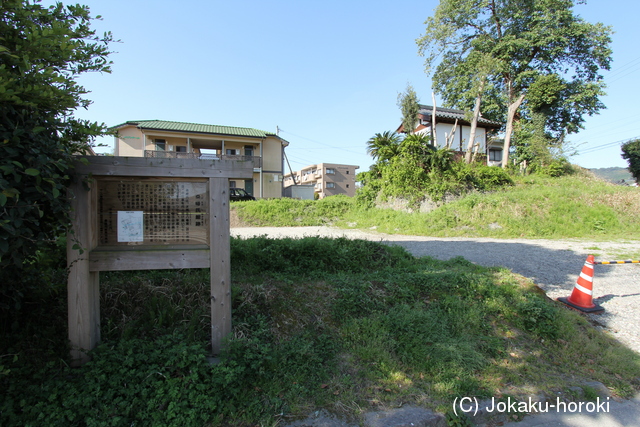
[
  {"x": 605, "y": 134},
  {"x": 301, "y": 161},
  {"x": 321, "y": 143},
  {"x": 605, "y": 146},
  {"x": 623, "y": 69}
]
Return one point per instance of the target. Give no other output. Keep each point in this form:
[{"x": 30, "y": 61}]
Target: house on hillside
[
  {"x": 163, "y": 139},
  {"x": 328, "y": 179},
  {"x": 446, "y": 119}
]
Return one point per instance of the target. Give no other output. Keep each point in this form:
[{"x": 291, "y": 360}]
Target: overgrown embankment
[
  {"x": 340, "y": 324},
  {"x": 576, "y": 206}
]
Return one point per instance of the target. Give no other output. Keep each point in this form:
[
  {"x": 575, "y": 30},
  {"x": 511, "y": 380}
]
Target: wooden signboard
[
  {"x": 144, "y": 214},
  {"x": 150, "y": 211}
]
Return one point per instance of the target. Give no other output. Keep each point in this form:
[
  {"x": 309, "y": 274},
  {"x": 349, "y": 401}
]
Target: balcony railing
[{"x": 257, "y": 161}]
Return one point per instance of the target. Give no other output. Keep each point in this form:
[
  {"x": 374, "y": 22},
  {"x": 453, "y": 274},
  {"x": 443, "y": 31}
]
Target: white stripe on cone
[
  {"x": 583, "y": 289},
  {"x": 587, "y": 277}
]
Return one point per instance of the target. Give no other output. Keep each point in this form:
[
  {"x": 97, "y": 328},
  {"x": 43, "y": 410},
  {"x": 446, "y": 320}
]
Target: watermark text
[{"x": 470, "y": 405}]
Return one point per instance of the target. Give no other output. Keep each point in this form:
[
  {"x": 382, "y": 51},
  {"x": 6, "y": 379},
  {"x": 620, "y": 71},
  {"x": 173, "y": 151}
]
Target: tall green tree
[
  {"x": 383, "y": 146},
  {"x": 42, "y": 52},
  {"x": 410, "y": 107},
  {"x": 535, "y": 47},
  {"x": 631, "y": 153}
]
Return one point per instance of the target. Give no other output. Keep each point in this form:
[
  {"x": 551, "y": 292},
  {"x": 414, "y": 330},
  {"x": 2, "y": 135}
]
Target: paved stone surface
[
  {"x": 407, "y": 416},
  {"x": 619, "y": 414}
]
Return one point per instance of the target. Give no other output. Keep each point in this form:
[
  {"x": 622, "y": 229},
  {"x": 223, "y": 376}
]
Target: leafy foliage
[
  {"x": 535, "y": 56},
  {"x": 410, "y": 107},
  {"x": 419, "y": 171},
  {"x": 631, "y": 153},
  {"x": 383, "y": 146},
  {"x": 42, "y": 51}
]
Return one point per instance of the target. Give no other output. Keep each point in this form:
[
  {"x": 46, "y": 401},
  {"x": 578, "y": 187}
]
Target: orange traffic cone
[{"x": 582, "y": 296}]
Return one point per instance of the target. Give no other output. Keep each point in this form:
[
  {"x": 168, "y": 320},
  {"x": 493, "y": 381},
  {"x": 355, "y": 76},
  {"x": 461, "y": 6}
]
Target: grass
[
  {"x": 345, "y": 325},
  {"x": 536, "y": 207},
  {"x": 625, "y": 255},
  {"x": 289, "y": 212}
]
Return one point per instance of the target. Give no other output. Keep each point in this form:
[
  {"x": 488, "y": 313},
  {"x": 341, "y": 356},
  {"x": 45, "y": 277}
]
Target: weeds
[
  {"x": 575, "y": 206},
  {"x": 317, "y": 323},
  {"x": 283, "y": 212}
]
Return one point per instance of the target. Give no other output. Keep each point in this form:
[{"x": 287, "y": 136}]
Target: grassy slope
[
  {"x": 536, "y": 207},
  {"x": 346, "y": 325}
]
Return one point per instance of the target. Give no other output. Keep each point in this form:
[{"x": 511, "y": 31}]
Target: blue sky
[{"x": 326, "y": 72}]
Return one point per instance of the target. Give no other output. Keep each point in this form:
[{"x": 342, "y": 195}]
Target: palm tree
[{"x": 383, "y": 146}]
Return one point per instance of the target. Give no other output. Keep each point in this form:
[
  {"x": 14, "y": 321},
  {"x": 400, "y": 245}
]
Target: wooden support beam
[
  {"x": 82, "y": 285},
  {"x": 149, "y": 259},
  {"x": 220, "y": 262},
  {"x": 160, "y": 167}
]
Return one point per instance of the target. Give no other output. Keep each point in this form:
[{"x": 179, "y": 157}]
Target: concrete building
[{"x": 328, "y": 179}]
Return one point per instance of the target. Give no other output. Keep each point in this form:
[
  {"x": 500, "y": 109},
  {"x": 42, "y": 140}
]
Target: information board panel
[{"x": 139, "y": 211}]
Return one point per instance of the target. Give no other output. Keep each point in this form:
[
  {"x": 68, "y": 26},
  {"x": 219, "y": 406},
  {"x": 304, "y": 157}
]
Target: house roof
[
  {"x": 451, "y": 114},
  {"x": 195, "y": 128}
]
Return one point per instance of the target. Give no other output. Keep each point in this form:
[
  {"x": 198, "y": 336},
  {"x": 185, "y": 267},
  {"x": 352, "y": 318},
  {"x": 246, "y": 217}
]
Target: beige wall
[
  {"x": 344, "y": 179},
  {"x": 272, "y": 185},
  {"x": 130, "y": 142},
  {"x": 174, "y": 141},
  {"x": 272, "y": 154},
  {"x": 239, "y": 146}
]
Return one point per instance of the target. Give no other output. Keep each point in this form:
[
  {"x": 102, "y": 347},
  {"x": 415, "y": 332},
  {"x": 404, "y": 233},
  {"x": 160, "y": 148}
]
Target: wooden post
[
  {"x": 82, "y": 285},
  {"x": 220, "y": 262}
]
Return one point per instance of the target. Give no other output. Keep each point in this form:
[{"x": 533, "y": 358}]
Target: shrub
[
  {"x": 489, "y": 177},
  {"x": 631, "y": 153},
  {"x": 44, "y": 51},
  {"x": 556, "y": 168}
]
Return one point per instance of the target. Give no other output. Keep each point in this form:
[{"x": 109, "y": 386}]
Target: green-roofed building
[{"x": 158, "y": 138}]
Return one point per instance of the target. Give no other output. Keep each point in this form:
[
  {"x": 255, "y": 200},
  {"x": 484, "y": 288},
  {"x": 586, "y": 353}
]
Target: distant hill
[{"x": 613, "y": 174}]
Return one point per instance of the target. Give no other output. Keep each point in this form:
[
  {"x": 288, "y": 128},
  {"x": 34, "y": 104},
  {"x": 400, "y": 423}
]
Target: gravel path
[{"x": 554, "y": 265}]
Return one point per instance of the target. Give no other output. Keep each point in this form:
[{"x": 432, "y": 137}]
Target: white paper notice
[{"x": 130, "y": 226}]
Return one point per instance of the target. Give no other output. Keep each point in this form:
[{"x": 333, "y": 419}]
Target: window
[
  {"x": 495, "y": 155},
  {"x": 347, "y": 185},
  {"x": 347, "y": 172},
  {"x": 331, "y": 185},
  {"x": 232, "y": 152},
  {"x": 181, "y": 149},
  {"x": 330, "y": 171},
  {"x": 161, "y": 144},
  {"x": 232, "y": 184}
]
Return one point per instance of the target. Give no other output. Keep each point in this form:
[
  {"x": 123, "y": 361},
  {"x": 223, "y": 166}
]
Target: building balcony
[{"x": 256, "y": 160}]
